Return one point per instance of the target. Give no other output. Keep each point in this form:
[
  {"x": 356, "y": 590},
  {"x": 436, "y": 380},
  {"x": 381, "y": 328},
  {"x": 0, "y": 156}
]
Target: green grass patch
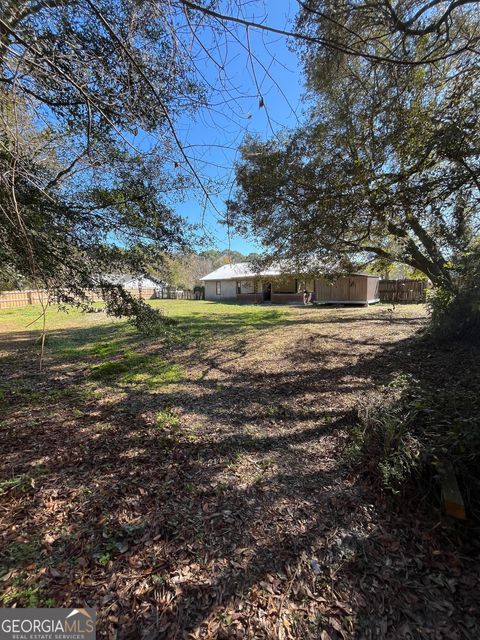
[
  {"x": 136, "y": 368},
  {"x": 201, "y": 321},
  {"x": 110, "y": 369},
  {"x": 201, "y": 317},
  {"x": 23, "y": 595},
  {"x": 16, "y": 482},
  {"x": 23, "y": 481},
  {"x": 75, "y": 336},
  {"x": 167, "y": 419},
  {"x": 85, "y": 345},
  {"x": 110, "y": 350},
  {"x": 20, "y": 553},
  {"x": 20, "y": 393}
]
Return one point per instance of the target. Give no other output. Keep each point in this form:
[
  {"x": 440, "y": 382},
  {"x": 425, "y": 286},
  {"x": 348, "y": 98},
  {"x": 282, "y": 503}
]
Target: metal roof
[
  {"x": 238, "y": 271},
  {"x": 124, "y": 279},
  {"x": 244, "y": 270}
]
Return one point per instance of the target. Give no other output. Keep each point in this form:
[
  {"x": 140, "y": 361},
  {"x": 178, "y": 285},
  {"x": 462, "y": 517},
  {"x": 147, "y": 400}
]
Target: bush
[
  {"x": 455, "y": 310},
  {"x": 409, "y": 430},
  {"x": 385, "y": 442}
]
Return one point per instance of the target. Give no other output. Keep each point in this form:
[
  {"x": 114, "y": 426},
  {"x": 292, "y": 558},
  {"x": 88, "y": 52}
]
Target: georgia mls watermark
[{"x": 47, "y": 624}]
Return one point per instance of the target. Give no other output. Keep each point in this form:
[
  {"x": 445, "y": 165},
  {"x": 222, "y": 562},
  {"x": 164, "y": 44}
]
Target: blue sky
[{"x": 213, "y": 135}]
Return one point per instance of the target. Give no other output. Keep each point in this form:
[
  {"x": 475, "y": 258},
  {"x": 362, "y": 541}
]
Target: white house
[
  {"x": 129, "y": 281},
  {"x": 238, "y": 282}
]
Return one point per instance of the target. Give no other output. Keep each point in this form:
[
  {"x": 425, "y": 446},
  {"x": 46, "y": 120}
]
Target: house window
[
  {"x": 219, "y": 288},
  {"x": 246, "y": 286},
  {"x": 239, "y": 288}
]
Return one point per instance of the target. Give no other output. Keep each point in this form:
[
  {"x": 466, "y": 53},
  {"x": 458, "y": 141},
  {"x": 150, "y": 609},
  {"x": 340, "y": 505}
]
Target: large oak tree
[
  {"x": 89, "y": 92},
  {"x": 387, "y": 166}
]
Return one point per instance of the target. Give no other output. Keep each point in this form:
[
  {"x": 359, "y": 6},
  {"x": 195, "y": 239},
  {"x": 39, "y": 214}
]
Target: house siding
[
  {"x": 353, "y": 289},
  {"x": 228, "y": 290},
  {"x": 373, "y": 286},
  {"x": 348, "y": 289},
  {"x": 357, "y": 288}
]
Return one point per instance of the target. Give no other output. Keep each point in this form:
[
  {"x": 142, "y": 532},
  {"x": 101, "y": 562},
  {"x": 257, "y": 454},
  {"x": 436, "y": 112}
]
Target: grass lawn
[
  {"x": 196, "y": 487},
  {"x": 199, "y": 316}
]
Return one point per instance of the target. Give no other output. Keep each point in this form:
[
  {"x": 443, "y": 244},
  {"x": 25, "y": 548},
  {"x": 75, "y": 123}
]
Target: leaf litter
[{"x": 220, "y": 505}]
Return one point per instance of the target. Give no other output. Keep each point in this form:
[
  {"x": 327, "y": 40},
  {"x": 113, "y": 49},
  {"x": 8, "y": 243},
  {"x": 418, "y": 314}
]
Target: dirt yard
[{"x": 199, "y": 488}]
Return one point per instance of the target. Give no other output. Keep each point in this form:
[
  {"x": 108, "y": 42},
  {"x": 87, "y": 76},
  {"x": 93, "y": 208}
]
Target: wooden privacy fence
[
  {"x": 11, "y": 299},
  {"x": 402, "y": 290}
]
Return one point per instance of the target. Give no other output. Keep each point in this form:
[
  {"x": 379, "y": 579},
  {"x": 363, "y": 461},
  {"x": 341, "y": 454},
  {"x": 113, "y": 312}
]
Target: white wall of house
[{"x": 228, "y": 290}]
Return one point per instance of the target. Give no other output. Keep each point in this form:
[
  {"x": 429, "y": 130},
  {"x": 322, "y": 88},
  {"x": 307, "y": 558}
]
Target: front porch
[{"x": 276, "y": 291}]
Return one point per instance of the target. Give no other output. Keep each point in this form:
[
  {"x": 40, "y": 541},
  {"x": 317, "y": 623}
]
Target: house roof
[
  {"x": 125, "y": 278},
  {"x": 244, "y": 270},
  {"x": 239, "y": 270},
  {"x": 118, "y": 278}
]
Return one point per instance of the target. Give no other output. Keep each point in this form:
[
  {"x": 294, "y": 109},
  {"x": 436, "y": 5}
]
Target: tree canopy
[
  {"x": 91, "y": 160},
  {"x": 386, "y": 167},
  {"x": 88, "y": 94}
]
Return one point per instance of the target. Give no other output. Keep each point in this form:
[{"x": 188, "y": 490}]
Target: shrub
[
  {"x": 385, "y": 441},
  {"x": 410, "y": 429},
  {"x": 455, "y": 310}
]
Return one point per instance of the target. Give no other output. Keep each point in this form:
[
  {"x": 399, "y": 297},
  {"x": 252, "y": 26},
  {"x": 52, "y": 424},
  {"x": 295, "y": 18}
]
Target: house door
[{"x": 267, "y": 292}]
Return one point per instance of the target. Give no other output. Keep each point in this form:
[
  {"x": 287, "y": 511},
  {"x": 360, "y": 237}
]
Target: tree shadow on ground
[{"x": 220, "y": 505}]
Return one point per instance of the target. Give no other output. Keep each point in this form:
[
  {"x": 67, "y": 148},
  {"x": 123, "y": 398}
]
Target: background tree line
[{"x": 186, "y": 269}]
